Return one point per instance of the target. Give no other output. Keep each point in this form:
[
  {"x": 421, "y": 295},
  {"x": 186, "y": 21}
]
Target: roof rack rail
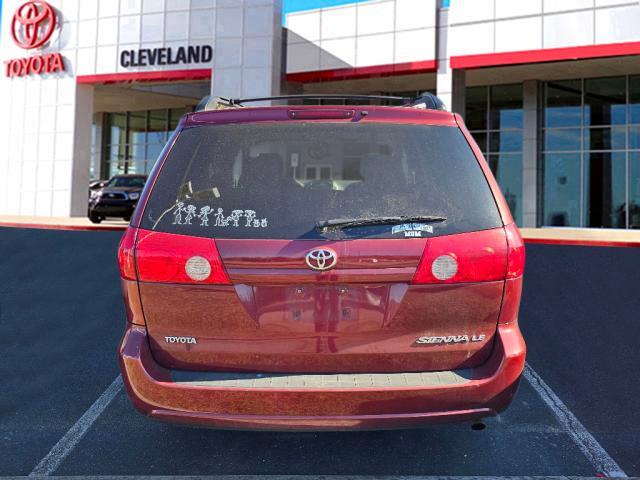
[
  {"x": 241, "y": 101},
  {"x": 425, "y": 100}
]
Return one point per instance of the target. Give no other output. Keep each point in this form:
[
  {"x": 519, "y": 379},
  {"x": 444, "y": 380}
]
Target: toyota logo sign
[
  {"x": 321, "y": 259},
  {"x": 33, "y": 24}
]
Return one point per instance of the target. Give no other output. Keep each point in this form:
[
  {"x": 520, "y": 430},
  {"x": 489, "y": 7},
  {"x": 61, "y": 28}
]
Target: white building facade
[{"x": 550, "y": 89}]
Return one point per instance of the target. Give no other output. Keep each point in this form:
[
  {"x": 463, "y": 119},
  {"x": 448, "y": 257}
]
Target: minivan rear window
[{"x": 280, "y": 180}]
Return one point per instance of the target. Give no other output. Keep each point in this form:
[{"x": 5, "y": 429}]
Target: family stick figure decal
[
  {"x": 184, "y": 214},
  {"x": 204, "y": 215},
  {"x": 191, "y": 212}
]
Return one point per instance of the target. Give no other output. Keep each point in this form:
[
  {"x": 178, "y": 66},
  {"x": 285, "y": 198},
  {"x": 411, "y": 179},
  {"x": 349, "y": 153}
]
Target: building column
[
  {"x": 458, "y": 91},
  {"x": 248, "y": 50},
  {"x": 82, "y": 139},
  {"x": 450, "y": 84},
  {"x": 45, "y": 146},
  {"x": 530, "y": 154}
]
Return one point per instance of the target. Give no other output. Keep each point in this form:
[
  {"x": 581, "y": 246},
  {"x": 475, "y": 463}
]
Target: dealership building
[{"x": 549, "y": 89}]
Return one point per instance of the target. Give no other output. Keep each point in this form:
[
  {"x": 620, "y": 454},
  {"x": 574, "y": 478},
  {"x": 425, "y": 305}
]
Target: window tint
[{"x": 279, "y": 180}]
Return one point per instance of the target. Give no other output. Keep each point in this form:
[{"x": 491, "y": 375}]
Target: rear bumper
[{"x": 489, "y": 390}]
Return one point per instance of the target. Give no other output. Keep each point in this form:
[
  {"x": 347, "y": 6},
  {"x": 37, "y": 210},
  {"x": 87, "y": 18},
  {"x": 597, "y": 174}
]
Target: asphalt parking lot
[{"x": 61, "y": 319}]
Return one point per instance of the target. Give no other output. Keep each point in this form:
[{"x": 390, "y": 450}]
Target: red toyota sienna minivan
[{"x": 321, "y": 267}]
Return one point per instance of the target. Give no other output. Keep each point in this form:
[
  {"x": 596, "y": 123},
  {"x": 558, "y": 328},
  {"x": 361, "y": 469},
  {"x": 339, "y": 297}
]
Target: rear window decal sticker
[
  {"x": 204, "y": 215},
  {"x": 191, "y": 212},
  {"x": 221, "y": 220},
  {"x": 250, "y": 215},
  {"x": 177, "y": 213},
  {"x": 235, "y": 217},
  {"x": 183, "y": 215},
  {"x": 412, "y": 229}
]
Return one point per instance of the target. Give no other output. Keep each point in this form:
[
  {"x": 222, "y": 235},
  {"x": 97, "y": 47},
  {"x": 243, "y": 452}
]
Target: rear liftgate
[{"x": 384, "y": 305}]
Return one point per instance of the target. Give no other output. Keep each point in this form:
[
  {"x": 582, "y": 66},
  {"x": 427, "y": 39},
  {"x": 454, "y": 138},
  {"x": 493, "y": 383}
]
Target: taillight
[
  {"x": 126, "y": 254},
  {"x": 515, "y": 255},
  {"x": 466, "y": 257},
  {"x": 515, "y": 269},
  {"x": 169, "y": 258}
]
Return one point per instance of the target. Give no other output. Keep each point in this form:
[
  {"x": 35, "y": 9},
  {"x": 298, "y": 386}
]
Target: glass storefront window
[
  {"x": 506, "y": 141},
  {"x": 605, "y": 101},
  {"x": 137, "y": 127},
  {"x": 476, "y": 104},
  {"x": 633, "y": 186},
  {"x": 561, "y": 190},
  {"x": 634, "y": 138},
  {"x": 507, "y": 168},
  {"x": 563, "y": 104},
  {"x": 118, "y": 127},
  {"x": 634, "y": 100},
  {"x": 506, "y": 107},
  {"x": 481, "y": 139},
  {"x": 115, "y": 156},
  {"x": 174, "y": 117},
  {"x": 591, "y": 138},
  {"x": 607, "y": 138},
  {"x": 153, "y": 152},
  {"x": 494, "y": 118},
  {"x": 137, "y": 158},
  {"x": 605, "y": 190},
  {"x": 96, "y": 139},
  {"x": 136, "y": 139},
  {"x": 158, "y": 130},
  {"x": 562, "y": 139}
]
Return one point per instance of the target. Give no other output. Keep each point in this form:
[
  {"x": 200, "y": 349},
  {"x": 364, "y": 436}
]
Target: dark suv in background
[{"x": 118, "y": 198}]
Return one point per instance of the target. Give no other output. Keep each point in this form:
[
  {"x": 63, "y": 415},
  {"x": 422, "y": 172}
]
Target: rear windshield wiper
[{"x": 339, "y": 223}]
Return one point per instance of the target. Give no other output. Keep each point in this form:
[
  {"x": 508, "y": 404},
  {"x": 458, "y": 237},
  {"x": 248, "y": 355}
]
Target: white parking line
[
  {"x": 598, "y": 456},
  {"x": 67, "y": 443}
]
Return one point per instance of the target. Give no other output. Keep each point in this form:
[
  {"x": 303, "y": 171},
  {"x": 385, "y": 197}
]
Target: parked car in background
[
  {"x": 322, "y": 267},
  {"x": 116, "y": 198}
]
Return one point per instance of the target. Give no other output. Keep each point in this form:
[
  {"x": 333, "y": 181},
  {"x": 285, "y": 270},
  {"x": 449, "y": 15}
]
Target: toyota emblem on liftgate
[
  {"x": 321, "y": 259},
  {"x": 33, "y": 24}
]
